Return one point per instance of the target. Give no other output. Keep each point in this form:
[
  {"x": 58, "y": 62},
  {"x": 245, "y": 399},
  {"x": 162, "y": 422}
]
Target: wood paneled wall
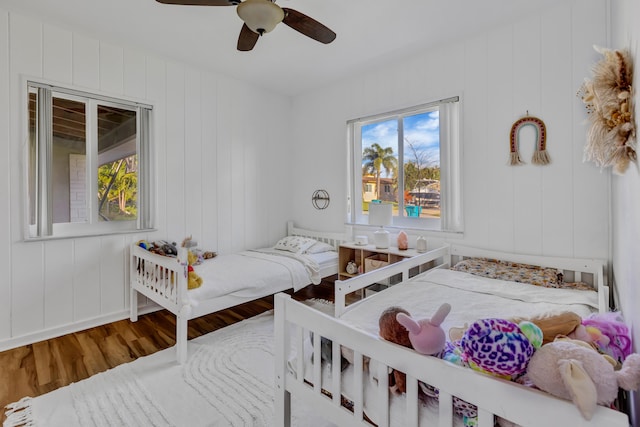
[
  {"x": 536, "y": 64},
  {"x": 221, "y": 151}
]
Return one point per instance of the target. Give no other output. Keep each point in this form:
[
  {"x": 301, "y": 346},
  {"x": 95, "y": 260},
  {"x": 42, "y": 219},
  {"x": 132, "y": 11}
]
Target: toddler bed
[
  {"x": 359, "y": 394},
  {"x": 301, "y": 258}
]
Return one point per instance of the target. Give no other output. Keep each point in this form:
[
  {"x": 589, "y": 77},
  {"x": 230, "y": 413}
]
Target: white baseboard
[{"x": 59, "y": 331}]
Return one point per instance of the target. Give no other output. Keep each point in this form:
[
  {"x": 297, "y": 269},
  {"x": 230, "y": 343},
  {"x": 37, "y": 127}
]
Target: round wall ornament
[{"x": 320, "y": 199}]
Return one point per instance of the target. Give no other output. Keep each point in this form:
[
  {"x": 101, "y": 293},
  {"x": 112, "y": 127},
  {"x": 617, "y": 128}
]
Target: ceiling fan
[{"x": 261, "y": 16}]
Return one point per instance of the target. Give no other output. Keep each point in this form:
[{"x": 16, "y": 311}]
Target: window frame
[
  {"x": 451, "y": 220},
  {"x": 42, "y": 227}
]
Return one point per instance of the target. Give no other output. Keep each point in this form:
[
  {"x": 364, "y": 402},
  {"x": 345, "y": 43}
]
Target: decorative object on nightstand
[
  {"x": 380, "y": 214},
  {"x": 403, "y": 241},
  {"x": 361, "y": 240},
  {"x": 352, "y": 267},
  {"x": 421, "y": 244}
]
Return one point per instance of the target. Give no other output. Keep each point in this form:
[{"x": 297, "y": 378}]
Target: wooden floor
[{"x": 38, "y": 368}]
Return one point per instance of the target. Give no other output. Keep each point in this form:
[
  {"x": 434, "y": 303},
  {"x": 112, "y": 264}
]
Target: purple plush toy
[{"x": 500, "y": 347}]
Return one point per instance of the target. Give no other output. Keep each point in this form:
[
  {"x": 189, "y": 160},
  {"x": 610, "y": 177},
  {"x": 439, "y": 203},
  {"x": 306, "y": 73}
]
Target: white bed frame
[
  {"x": 164, "y": 281},
  {"x": 518, "y": 404}
]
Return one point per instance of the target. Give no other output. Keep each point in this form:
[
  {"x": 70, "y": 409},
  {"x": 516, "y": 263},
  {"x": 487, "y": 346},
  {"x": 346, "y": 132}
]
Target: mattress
[
  {"x": 248, "y": 274},
  {"x": 324, "y": 259}
]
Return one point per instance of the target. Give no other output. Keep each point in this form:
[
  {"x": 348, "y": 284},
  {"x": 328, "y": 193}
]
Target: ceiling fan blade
[
  {"x": 308, "y": 26},
  {"x": 247, "y": 39},
  {"x": 201, "y": 2}
]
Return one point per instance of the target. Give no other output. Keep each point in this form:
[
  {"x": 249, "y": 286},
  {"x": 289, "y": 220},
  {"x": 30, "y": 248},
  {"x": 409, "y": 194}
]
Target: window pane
[
  {"x": 69, "y": 166},
  {"x": 32, "y": 178},
  {"x": 422, "y": 165},
  {"x": 118, "y": 164},
  {"x": 380, "y": 163}
]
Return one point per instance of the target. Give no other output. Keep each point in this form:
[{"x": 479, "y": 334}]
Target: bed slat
[
  {"x": 317, "y": 367},
  {"x": 445, "y": 409},
  {"x": 300, "y": 357},
  {"x": 412, "y": 401},
  {"x": 358, "y": 398},
  {"x": 336, "y": 366}
]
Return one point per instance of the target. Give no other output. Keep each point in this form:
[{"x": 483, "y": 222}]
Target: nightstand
[{"x": 361, "y": 253}]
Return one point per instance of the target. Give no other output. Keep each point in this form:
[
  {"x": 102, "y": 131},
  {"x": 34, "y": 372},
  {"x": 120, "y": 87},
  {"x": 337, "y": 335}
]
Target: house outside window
[
  {"x": 89, "y": 163},
  {"x": 409, "y": 158}
]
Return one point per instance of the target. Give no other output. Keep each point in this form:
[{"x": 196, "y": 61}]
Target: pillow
[
  {"x": 295, "y": 244},
  {"x": 515, "y": 272},
  {"x": 319, "y": 247}
]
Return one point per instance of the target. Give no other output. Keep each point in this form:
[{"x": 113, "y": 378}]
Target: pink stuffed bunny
[{"x": 426, "y": 335}]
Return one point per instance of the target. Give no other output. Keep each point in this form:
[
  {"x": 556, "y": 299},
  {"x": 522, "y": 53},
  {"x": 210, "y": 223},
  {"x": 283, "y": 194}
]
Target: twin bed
[
  {"x": 359, "y": 393},
  {"x": 297, "y": 260}
]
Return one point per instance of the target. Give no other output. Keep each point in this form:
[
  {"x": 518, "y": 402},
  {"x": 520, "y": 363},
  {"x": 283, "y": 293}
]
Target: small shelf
[
  {"x": 358, "y": 253},
  {"x": 345, "y": 274}
]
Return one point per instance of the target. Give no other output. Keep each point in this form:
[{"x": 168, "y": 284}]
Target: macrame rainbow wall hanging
[
  {"x": 608, "y": 98},
  {"x": 540, "y": 156}
]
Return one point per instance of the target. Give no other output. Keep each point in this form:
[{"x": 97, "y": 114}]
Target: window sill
[
  {"x": 412, "y": 230},
  {"x": 87, "y": 235}
]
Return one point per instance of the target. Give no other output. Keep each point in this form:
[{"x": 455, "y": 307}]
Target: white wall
[
  {"x": 625, "y": 206},
  {"x": 221, "y": 151},
  {"x": 534, "y": 64},
  {"x": 626, "y": 188}
]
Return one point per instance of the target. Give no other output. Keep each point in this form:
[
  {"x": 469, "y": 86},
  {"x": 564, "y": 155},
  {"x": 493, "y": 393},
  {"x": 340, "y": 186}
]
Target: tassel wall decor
[
  {"x": 608, "y": 97},
  {"x": 540, "y": 156}
]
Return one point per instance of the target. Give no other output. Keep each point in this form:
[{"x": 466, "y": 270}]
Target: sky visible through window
[{"x": 421, "y": 131}]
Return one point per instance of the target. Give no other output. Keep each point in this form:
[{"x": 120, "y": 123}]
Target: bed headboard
[
  {"x": 587, "y": 270},
  {"x": 332, "y": 238}
]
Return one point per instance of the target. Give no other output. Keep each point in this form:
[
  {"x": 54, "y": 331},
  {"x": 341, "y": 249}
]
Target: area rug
[{"x": 227, "y": 381}]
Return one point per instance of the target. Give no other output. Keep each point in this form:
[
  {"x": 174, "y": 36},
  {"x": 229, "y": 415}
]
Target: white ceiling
[{"x": 284, "y": 61}]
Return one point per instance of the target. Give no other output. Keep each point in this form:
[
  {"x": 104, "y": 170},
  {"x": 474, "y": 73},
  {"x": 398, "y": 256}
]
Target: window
[
  {"x": 89, "y": 163},
  {"x": 411, "y": 159}
]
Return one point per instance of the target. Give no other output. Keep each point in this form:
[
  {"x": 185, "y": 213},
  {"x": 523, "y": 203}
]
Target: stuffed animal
[
  {"x": 193, "y": 279},
  {"x": 571, "y": 370},
  {"x": 607, "y": 332},
  {"x": 500, "y": 347},
  {"x": 552, "y": 325},
  {"x": 426, "y": 335},
  {"x": 392, "y": 330}
]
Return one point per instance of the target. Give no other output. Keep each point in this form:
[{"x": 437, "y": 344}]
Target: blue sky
[{"x": 422, "y": 130}]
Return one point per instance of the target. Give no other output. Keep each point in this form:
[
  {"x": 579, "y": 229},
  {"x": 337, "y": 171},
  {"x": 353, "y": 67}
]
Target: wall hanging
[
  {"x": 320, "y": 199},
  {"x": 540, "y": 156},
  {"x": 608, "y": 98}
]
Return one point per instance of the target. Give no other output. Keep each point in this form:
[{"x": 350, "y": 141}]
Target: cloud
[
  {"x": 383, "y": 133},
  {"x": 422, "y": 130}
]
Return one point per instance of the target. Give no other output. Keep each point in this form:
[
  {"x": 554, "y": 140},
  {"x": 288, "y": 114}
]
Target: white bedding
[
  {"x": 248, "y": 273},
  {"x": 471, "y": 297}
]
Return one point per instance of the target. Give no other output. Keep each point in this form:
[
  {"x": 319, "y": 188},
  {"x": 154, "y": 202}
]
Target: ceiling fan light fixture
[{"x": 261, "y": 16}]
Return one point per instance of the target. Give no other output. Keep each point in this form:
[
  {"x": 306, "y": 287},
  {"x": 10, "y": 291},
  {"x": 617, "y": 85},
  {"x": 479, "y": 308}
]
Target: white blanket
[
  {"x": 248, "y": 273},
  {"x": 471, "y": 298}
]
